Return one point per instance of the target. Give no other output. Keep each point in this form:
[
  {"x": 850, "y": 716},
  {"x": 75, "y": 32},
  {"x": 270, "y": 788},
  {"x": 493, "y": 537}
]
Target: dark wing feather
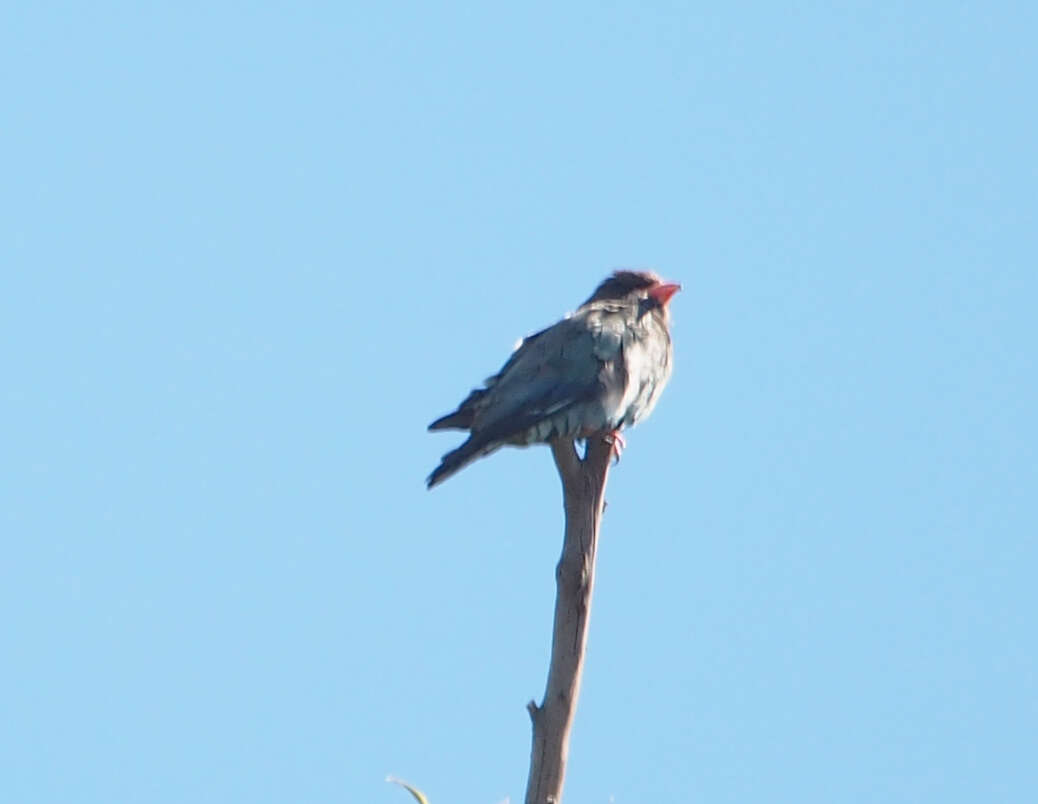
[
  {"x": 573, "y": 363},
  {"x": 550, "y": 374},
  {"x": 461, "y": 419}
]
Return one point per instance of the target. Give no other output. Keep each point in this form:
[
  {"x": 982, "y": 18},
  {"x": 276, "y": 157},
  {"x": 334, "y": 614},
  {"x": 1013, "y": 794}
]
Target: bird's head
[{"x": 635, "y": 284}]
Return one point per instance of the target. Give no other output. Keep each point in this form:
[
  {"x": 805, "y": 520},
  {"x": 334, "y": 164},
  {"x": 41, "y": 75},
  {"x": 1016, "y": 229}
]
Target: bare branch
[{"x": 583, "y": 488}]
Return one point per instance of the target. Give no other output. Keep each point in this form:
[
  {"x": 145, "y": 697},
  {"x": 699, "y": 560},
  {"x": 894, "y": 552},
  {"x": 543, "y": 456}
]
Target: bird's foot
[{"x": 617, "y": 442}]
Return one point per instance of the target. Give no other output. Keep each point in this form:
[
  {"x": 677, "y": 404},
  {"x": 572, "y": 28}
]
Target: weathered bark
[{"x": 583, "y": 488}]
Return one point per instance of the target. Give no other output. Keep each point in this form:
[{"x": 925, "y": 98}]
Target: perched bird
[{"x": 596, "y": 371}]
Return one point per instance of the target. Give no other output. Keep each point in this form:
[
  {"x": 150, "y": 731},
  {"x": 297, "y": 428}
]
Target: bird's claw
[{"x": 617, "y": 442}]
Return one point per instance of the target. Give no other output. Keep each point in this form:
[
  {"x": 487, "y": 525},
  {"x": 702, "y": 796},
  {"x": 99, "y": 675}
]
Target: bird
[{"x": 597, "y": 371}]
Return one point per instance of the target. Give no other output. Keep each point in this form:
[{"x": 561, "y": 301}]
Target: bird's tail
[{"x": 458, "y": 459}]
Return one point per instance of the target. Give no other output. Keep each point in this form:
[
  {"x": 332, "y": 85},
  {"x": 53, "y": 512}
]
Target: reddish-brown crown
[{"x": 621, "y": 283}]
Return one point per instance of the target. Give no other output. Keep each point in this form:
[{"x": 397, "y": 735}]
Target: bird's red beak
[{"x": 663, "y": 291}]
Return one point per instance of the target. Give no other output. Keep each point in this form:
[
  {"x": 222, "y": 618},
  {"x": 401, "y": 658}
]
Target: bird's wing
[
  {"x": 564, "y": 380},
  {"x": 577, "y": 360},
  {"x": 461, "y": 419},
  {"x": 594, "y": 372}
]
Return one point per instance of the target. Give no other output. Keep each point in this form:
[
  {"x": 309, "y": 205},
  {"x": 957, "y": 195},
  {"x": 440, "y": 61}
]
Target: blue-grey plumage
[{"x": 596, "y": 371}]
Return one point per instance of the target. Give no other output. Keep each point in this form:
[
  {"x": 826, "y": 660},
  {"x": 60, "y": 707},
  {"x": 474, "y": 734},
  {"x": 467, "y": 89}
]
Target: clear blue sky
[{"x": 250, "y": 251}]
